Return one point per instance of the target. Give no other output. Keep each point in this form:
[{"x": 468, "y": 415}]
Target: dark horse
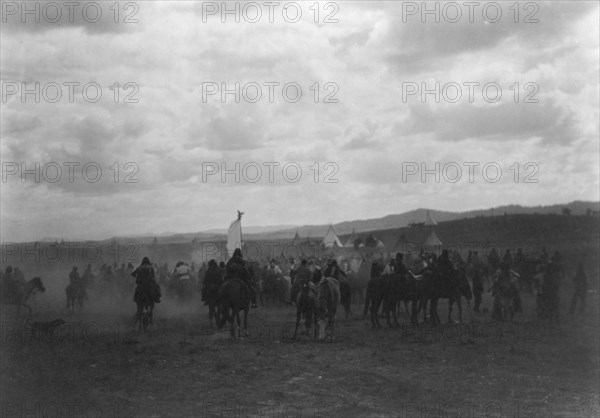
[
  {"x": 305, "y": 305},
  {"x": 75, "y": 296},
  {"x": 144, "y": 299},
  {"x": 453, "y": 287},
  {"x": 21, "y": 292},
  {"x": 234, "y": 296},
  {"x": 389, "y": 290},
  {"x": 328, "y": 298}
]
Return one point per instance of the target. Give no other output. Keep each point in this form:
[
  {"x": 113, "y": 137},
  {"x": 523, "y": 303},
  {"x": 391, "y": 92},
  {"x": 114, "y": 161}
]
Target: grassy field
[{"x": 99, "y": 365}]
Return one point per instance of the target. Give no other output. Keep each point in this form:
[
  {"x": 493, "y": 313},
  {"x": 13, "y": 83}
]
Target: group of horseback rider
[{"x": 504, "y": 279}]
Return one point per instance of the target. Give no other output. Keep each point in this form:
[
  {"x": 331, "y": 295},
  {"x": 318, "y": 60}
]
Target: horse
[
  {"x": 420, "y": 288},
  {"x": 373, "y": 298},
  {"x": 234, "y": 296},
  {"x": 75, "y": 295},
  {"x": 389, "y": 290},
  {"x": 328, "y": 298},
  {"x": 452, "y": 288},
  {"x": 305, "y": 305},
  {"x": 19, "y": 294},
  {"x": 144, "y": 301}
]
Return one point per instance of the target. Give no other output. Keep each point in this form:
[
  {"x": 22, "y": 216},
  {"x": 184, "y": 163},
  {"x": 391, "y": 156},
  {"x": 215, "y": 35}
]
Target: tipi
[{"x": 331, "y": 239}]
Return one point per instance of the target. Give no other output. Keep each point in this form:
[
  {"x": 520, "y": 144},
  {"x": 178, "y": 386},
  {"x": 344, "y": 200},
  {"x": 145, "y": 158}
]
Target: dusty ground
[{"x": 98, "y": 365}]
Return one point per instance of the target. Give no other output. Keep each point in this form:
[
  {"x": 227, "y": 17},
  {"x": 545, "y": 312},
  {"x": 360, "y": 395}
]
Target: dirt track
[{"x": 98, "y": 365}]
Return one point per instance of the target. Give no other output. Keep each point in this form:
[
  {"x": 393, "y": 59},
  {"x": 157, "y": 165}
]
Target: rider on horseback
[
  {"x": 236, "y": 268},
  {"x": 144, "y": 278},
  {"x": 445, "y": 266},
  {"x": 505, "y": 286},
  {"x": 334, "y": 271},
  {"x": 399, "y": 266},
  {"x": 212, "y": 281},
  {"x": 303, "y": 275},
  {"x": 74, "y": 277}
]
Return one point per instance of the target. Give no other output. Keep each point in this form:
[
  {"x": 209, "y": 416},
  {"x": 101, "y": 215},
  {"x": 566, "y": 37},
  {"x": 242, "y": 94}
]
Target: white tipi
[
  {"x": 350, "y": 242},
  {"x": 331, "y": 239}
]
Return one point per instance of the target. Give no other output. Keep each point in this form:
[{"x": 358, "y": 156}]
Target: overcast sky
[{"x": 373, "y": 56}]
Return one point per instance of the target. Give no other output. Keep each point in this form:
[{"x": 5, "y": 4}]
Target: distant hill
[
  {"x": 418, "y": 215},
  {"x": 360, "y": 226}
]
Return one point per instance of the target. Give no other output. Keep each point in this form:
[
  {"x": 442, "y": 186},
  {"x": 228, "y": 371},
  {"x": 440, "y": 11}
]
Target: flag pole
[{"x": 240, "y": 219}]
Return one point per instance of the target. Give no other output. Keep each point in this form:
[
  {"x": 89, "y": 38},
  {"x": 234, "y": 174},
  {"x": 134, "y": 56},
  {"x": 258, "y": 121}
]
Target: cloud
[
  {"x": 506, "y": 121},
  {"x": 95, "y": 18},
  {"x": 368, "y": 132}
]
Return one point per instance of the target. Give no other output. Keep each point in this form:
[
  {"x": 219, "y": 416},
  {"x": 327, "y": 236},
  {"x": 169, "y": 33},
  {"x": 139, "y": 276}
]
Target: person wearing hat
[{"x": 236, "y": 269}]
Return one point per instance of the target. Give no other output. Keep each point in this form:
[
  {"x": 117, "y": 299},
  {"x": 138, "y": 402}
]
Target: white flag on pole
[{"x": 234, "y": 236}]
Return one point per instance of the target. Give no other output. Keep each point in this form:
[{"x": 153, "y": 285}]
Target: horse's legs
[
  {"x": 375, "y": 305},
  {"x": 414, "y": 311},
  {"x": 238, "y": 322},
  {"x": 298, "y": 314},
  {"x": 330, "y": 322},
  {"x": 433, "y": 314},
  {"x": 138, "y": 315},
  {"x": 396, "y": 317},
  {"x": 367, "y": 303},
  {"x": 459, "y": 304},
  {"x": 232, "y": 322},
  {"x": 308, "y": 319}
]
